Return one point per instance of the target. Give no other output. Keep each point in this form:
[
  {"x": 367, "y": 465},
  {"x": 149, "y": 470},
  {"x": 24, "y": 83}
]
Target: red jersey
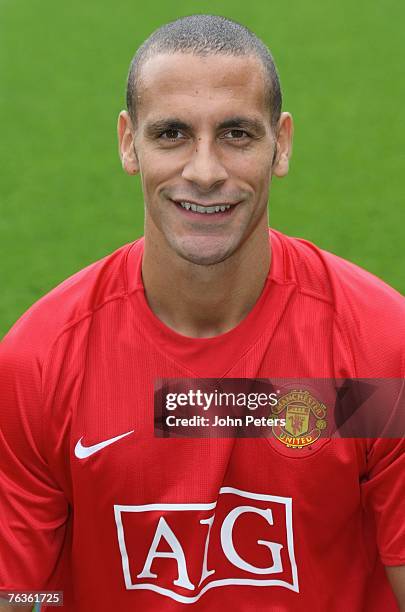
[{"x": 95, "y": 505}]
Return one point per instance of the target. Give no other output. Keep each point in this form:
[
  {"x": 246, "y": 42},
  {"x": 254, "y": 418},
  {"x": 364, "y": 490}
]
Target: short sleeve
[
  {"x": 383, "y": 496},
  {"x": 33, "y": 508}
]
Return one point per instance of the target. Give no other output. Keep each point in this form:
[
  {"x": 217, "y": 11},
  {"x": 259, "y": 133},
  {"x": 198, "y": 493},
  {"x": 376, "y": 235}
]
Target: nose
[{"x": 204, "y": 168}]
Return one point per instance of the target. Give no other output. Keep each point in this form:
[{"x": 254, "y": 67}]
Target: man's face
[{"x": 203, "y": 139}]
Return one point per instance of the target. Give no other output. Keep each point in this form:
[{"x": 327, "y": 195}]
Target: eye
[
  {"x": 171, "y": 134},
  {"x": 236, "y": 134}
]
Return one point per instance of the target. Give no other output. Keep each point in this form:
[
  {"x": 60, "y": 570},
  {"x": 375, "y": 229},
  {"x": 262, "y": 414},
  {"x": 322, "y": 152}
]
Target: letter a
[{"x": 163, "y": 531}]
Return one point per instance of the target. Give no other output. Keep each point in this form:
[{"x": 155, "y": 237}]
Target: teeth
[{"x": 204, "y": 209}]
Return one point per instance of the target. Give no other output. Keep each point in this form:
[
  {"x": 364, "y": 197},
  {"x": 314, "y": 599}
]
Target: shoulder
[
  {"x": 70, "y": 302},
  {"x": 369, "y": 315},
  {"x": 332, "y": 278}
]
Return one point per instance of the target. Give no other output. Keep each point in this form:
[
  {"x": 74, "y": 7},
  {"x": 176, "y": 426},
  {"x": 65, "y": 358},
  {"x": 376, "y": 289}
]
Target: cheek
[
  {"x": 252, "y": 165},
  {"x": 257, "y": 174},
  {"x": 151, "y": 175},
  {"x": 155, "y": 171}
]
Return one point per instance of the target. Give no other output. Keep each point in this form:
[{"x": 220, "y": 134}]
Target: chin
[
  {"x": 203, "y": 257},
  {"x": 202, "y": 260}
]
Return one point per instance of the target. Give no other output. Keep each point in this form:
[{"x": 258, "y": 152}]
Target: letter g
[{"x": 229, "y": 547}]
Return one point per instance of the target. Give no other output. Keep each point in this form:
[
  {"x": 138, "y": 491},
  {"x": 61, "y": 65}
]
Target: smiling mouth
[{"x": 213, "y": 209}]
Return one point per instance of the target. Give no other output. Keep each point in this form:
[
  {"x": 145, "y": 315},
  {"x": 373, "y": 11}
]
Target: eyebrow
[
  {"x": 248, "y": 123},
  {"x": 161, "y": 125},
  {"x": 173, "y": 123}
]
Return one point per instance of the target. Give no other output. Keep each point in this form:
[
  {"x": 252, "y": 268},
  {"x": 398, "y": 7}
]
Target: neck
[{"x": 204, "y": 301}]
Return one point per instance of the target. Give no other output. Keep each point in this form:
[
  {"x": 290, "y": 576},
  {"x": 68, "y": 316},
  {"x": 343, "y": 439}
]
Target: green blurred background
[{"x": 64, "y": 199}]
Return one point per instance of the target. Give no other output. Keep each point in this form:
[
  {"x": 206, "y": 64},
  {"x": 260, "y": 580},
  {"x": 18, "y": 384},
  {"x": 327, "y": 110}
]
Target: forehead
[{"x": 183, "y": 82}]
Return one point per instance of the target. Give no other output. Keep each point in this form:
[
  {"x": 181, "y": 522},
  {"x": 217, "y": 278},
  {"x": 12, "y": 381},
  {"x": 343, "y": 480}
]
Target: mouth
[{"x": 217, "y": 209}]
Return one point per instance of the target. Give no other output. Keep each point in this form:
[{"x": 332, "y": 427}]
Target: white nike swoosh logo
[{"x": 82, "y": 452}]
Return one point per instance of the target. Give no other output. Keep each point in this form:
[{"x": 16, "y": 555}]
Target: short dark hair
[{"x": 206, "y": 35}]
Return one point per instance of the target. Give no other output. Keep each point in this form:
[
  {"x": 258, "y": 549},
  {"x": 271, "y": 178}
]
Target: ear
[
  {"x": 285, "y": 130},
  {"x": 126, "y": 144}
]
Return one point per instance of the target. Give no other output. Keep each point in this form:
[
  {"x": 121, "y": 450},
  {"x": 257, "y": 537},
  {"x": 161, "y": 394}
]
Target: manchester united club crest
[{"x": 305, "y": 419}]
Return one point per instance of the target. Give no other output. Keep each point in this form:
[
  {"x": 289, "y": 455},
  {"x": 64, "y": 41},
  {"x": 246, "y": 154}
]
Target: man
[{"x": 98, "y": 506}]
